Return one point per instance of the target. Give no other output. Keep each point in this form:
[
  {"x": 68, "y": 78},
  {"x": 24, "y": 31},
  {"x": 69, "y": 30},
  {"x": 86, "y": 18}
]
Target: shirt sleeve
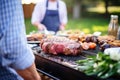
[
  {"x": 63, "y": 13},
  {"x": 38, "y": 12},
  {"x": 13, "y": 43}
]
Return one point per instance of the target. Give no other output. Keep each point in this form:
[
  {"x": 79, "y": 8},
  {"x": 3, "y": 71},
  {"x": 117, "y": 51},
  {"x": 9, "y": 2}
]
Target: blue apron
[{"x": 51, "y": 19}]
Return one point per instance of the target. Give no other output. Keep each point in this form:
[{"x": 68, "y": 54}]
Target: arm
[
  {"x": 13, "y": 43},
  {"x": 37, "y": 15},
  {"x": 63, "y": 16},
  {"x": 39, "y": 26},
  {"x": 31, "y": 73},
  {"x": 62, "y": 26}
]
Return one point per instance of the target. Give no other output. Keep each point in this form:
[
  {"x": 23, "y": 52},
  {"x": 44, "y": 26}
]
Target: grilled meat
[{"x": 60, "y": 45}]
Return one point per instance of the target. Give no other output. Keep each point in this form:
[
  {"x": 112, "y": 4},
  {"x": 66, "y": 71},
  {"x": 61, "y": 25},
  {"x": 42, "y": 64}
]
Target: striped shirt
[{"x": 14, "y": 51}]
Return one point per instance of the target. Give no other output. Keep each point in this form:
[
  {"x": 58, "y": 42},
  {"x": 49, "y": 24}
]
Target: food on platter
[
  {"x": 68, "y": 33},
  {"x": 84, "y": 37},
  {"x": 35, "y": 37},
  {"x": 77, "y": 37},
  {"x": 115, "y": 43},
  {"x": 60, "y": 45},
  {"x": 73, "y": 43},
  {"x": 91, "y": 39},
  {"x": 92, "y": 45},
  {"x": 88, "y": 45},
  {"x": 85, "y": 45},
  {"x": 74, "y": 37},
  {"x": 107, "y": 38}
]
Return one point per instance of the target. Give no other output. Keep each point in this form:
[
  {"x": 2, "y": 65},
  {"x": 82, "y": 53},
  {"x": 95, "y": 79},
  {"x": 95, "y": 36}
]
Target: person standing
[
  {"x": 16, "y": 58},
  {"x": 50, "y": 15}
]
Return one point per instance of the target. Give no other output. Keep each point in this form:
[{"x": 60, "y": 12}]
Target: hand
[
  {"x": 30, "y": 73},
  {"x": 41, "y": 27},
  {"x": 62, "y": 27}
]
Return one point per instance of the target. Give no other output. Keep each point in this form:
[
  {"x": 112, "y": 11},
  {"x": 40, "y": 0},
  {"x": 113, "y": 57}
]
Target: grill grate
[
  {"x": 70, "y": 71},
  {"x": 63, "y": 58}
]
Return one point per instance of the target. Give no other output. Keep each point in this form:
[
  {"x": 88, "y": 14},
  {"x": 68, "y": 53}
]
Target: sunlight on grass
[
  {"x": 101, "y": 9},
  {"x": 114, "y": 9},
  {"x": 102, "y": 29},
  {"x": 86, "y": 30},
  {"x": 99, "y": 28},
  {"x": 97, "y": 9}
]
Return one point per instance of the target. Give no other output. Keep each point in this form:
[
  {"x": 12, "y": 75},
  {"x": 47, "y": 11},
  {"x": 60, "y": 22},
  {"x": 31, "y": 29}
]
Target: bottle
[
  {"x": 118, "y": 34},
  {"x": 113, "y": 26}
]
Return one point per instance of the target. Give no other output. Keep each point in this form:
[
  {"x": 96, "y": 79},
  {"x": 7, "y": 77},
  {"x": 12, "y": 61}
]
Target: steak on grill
[{"x": 60, "y": 45}]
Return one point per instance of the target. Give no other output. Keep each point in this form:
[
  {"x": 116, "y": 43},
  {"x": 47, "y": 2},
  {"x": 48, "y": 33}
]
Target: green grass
[
  {"x": 87, "y": 25},
  {"x": 29, "y": 26}
]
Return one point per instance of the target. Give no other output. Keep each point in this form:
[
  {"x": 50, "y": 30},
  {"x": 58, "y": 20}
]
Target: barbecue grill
[{"x": 63, "y": 67}]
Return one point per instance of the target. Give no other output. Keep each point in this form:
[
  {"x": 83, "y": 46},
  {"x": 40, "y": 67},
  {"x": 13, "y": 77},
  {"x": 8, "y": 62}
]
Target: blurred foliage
[
  {"x": 110, "y": 2},
  {"x": 83, "y": 2},
  {"x": 94, "y": 3},
  {"x": 69, "y": 2},
  {"x": 92, "y": 18},
  {"x": 113, "y": 2}
]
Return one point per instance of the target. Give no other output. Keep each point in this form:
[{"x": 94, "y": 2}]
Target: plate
[
  {"x": 62, "y": 35},
  {"x": 33, "y": 42}
]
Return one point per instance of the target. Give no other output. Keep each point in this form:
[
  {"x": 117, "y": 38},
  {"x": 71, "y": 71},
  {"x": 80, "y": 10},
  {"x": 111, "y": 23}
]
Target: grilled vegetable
[{"x": 100, "y": 65}]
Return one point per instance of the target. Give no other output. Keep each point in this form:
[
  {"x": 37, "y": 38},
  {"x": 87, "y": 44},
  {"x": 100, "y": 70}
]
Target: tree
[
  {"x": 106, "y": 6},
  {"x": 76, "y": 4},
  {"x": 77, "y": 9},
  {"x": 110, "y": 3}
]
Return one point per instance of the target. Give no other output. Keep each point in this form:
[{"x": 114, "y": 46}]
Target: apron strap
[{"x": 47, "y": 4}]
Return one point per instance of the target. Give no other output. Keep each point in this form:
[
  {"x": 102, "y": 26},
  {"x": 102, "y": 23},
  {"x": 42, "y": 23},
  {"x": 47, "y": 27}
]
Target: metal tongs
[{"x": 45, "y": 31}]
